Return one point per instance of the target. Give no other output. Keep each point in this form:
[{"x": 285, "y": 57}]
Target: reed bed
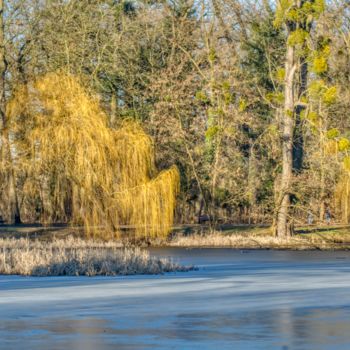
[
  {"x": 251, "y": 241},
  {"x": 77, "y": 257}
]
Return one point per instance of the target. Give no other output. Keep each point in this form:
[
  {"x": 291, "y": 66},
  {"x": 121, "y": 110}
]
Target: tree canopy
[{"x": 249, "y": 99}]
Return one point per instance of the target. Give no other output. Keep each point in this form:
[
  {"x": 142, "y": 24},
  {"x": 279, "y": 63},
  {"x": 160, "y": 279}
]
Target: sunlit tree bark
[{"x": 13, "y": 214}]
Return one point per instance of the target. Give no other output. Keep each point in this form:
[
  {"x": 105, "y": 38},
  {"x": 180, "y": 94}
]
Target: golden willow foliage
[
  {"x": 82, "y": 171},
  {"x": 342, "y": 196},
  {"x": 342, "y": 190}
]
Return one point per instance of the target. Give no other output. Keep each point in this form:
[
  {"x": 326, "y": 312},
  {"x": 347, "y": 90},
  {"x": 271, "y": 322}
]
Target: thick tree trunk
[
  {"x": 47, "y": 210},
  {"x": 346, "y": 204},
  {"x": 292, "y": 139},
  {"x": 298, "y": 138},
  {"x": 200, "y": 211},
  {"x": 13, "y": 214},
  {"x": 322, "y": 184},
  {"x": 283, "y": 225},
  {"x": 113, "y": 112},
  {"x": 252, "y": 184}
]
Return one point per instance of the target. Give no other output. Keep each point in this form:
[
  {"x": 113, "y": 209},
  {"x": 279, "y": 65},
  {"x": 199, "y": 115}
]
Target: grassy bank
[
  {"x": 75, "y": 257},
  {"x": 305, "y": 238},
  {"x": 238, "y": 236}
]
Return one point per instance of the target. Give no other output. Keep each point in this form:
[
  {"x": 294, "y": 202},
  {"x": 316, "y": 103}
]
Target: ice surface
[{"x": 236, "y": 300}]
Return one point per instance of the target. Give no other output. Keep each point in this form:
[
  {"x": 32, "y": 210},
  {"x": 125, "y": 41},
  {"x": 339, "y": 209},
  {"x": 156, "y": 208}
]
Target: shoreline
[{"x": 240, "y": 237}]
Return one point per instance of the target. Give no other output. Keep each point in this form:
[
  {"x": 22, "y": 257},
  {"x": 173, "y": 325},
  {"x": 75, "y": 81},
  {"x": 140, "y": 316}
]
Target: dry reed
[
  {"x": 251, "y": 241},
  {"x": 75, "y": 257},
  {"x": 342, "y": 196}
]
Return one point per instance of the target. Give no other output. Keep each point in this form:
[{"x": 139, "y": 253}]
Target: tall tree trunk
[
  {"x": 296, "y": 71},
  {"x": 113, "y": 111},
  {"x": 298, "y": 139},
  {"x": 283, "y": 225},
  {"x": 322, "y": 181},
  {"x": 13, "y": 214},
  {"x": 346, "y": 204},
  {"x": 252, "y": 184}
]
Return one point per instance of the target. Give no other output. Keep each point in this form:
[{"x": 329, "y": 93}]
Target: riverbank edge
[
  {"x": 336, "y": 238},
  {"x": 310, "y": 242}
]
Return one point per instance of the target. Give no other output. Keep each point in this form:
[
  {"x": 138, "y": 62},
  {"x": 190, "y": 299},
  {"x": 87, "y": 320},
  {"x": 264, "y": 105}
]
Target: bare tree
[{"x": 12, "y": 214}]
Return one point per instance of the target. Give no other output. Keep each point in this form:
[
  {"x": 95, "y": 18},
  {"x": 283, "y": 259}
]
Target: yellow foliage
[
  {"x": 212, "y": 55},
  {"x": 298, "y": 37},
  {"x": 331, "y": 147},
  {"x": 330, "y": 95},
  {"x": 83, "y": 171},
  {"x": 343, "y": 144},
  {"x": 242, "y": 105},
  {"x": 280, "y": 75},
  {"x": 319, "y": 6},
  {"x": 346, "y": 163},
  {"x": 211, "y": 132},
  {"x": 283, "y": 6},
  {"x": 326, "y": 51},
  {"x": 313, "y": 117},
  {"x": 288, "y": 10},
  {"x": 319, "y": 65},
  {"x": 316, "y": 88},
  {"x": 275, "y": 97},
  {"x": 342, "y": 196},
  {"x": 332, "y": 133},
  {"x": 320, "y": 91}
]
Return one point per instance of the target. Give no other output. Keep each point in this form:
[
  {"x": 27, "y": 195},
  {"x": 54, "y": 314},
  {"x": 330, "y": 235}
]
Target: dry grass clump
[
  {"x": 76, "y": 257},
  {"x": 76, "y": 169},
  {"x": 334, "y": 237}
]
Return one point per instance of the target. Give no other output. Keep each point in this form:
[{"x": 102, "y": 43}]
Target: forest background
[{"x": 249, "y": 99}]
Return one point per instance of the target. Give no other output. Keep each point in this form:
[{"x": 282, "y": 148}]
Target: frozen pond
[{"x": 236, "y": 300}]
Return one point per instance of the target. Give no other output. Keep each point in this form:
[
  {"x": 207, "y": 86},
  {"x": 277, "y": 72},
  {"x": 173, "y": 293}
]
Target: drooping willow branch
[{"x": 79, "y": 169}]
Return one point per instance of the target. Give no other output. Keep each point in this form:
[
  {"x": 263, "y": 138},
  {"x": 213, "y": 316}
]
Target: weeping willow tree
[
  {"x": 342, "y": 191},
  {"x": 76, "y": 169},
  {"x": 342, "y": 197}
]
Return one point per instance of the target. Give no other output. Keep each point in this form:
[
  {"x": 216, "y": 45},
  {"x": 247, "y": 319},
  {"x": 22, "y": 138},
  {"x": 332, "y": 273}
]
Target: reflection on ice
[{"x": 259, "y": 300}]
